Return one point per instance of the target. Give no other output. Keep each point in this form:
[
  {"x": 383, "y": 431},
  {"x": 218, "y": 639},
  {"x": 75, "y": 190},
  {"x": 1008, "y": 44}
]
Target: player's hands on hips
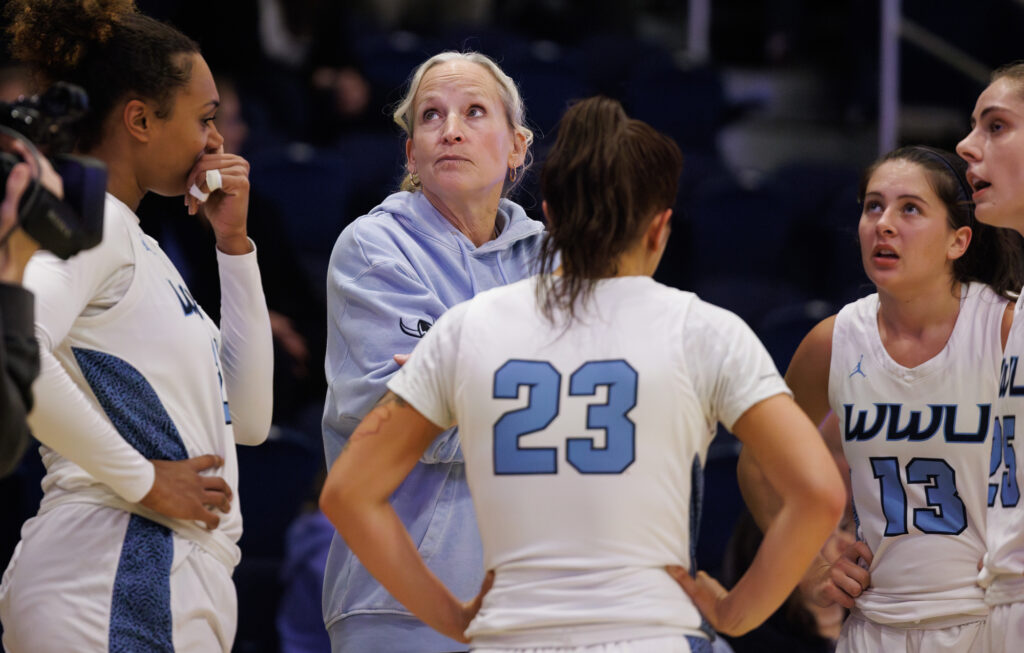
[
  {"x": 845, "y": 579},
  {"x": 227, "y": 207},
  {"x": 467, "y": 611},
  {"x": 179, "y": 491},
  {"x": 709, "y": 596}
]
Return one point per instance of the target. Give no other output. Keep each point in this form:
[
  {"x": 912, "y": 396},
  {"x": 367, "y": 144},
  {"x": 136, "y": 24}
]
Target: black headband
[{"x": 944, "y": 159}]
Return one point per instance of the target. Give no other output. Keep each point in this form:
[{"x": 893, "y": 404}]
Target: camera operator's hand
[
  {"x": 227, "y": 208},
  {"x": 16, "y": 247},
  {"x": 39, "y": 166}
]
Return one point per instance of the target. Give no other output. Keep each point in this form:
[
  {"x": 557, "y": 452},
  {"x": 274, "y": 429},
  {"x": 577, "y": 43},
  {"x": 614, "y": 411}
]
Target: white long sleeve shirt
[{"x": 133, "y": 369}]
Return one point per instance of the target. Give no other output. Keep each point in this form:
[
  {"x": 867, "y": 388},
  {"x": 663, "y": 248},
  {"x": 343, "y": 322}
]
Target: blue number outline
[
  {"x": 944, "y": 512},
  {"x": 995, "y": 459},
  {"x": 948, "y": 510},
  {"x": 894, "y": 507},
  {"x": 619, "y": 451},
  {"x": 1003, "y": 452},
  {"x": 510, "y": 458}
]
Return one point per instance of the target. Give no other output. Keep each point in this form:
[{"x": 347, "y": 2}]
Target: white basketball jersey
[
  {"x": 584, "y": 449},
  {"x": 1003, "y": 574},
  {"x": 917, "y": 441},
  {"x": 151, "y": 364}
]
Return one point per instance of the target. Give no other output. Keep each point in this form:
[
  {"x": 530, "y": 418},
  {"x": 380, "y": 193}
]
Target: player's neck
[
  {"x": 914, "y": 330},
  {"x": 637, "y": 261},
  {"x": 122, "y": 178},
  {"x": 921, "y": 309}
]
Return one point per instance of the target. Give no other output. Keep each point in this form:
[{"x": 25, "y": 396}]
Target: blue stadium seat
[
  {"x": 821, "y": 200},
  {"x": 389, "y": 58},
  {"x": 548, "y": 81},
  {"x": 275, "y": 479},
  {"x": 736, "y": 231},
  {"x": 689, "y": 105},
  {"x": 311, "y": 187},
  {"x": 378, "y": 165},
  {"x": 783, "y": 328}
]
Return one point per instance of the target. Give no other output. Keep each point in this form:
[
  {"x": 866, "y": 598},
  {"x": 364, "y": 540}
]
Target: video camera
[{"x": 64, "y": 227}]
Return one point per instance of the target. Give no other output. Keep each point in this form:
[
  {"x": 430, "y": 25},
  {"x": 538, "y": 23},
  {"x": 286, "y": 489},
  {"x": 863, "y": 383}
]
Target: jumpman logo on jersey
[{"x": 858, "y": 370}]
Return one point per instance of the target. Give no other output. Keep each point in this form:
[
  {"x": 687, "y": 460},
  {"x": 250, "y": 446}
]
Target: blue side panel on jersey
[
  {"x": 696, "y": 503},
  {"x": 140, "y": 608},
  {"x": 132, "y": 405},
  {"x": 699, "y": 644},
  {"x": 853, "y": 506}
]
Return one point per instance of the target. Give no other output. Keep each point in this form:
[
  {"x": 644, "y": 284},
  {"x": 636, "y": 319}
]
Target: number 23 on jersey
[{"x": 544, "y": 383}]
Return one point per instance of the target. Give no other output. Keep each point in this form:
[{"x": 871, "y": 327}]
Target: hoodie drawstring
[
  {"x": 468, "y": 265},
  {"x": 501, "y": 268}
]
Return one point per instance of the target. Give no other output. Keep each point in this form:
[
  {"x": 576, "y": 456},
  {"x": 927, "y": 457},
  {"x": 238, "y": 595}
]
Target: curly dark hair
[{"x": 105, "y": 46}]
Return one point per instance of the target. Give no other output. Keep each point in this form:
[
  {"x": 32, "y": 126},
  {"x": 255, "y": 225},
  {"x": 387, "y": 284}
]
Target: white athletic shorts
[
  {"x": 1004, "y": 631},
  {"x": 859, "y": 635},
  {"x": 89, "y": 578},
  {"x": 675, "y": 644}
]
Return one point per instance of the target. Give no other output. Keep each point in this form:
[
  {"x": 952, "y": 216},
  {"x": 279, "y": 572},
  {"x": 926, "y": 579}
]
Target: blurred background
[{"x": 777, "y": 105}]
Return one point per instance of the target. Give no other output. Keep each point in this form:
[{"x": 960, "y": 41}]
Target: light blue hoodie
[{"x": 393, "y": 272}]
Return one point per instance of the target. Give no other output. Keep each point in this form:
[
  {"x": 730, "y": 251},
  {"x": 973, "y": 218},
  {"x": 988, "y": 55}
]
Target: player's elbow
[
  {"x": 834, "y": 501},
  {"x": 255, "y": 426},
  {"x": 252, "y": 437},
  {"x": 331, "y": 504},
  {"x": 338, "y": 500},
  {"x": 824, "y": 495}
]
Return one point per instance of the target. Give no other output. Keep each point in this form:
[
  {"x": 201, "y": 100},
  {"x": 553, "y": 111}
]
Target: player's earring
[
  {"x": 513, "y": 173},
  {"x": 414, "y": 178}
]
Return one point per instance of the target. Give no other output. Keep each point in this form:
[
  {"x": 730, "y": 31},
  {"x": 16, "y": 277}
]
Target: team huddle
[{"x": 523, "y": 470}]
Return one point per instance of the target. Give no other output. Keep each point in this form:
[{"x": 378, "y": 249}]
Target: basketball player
[
  {"x": 994, "y": 151},
  {"x": 586, "y": 399},
  {"x": 910, "y": 372},
  {"x": 133, "y": 547}
]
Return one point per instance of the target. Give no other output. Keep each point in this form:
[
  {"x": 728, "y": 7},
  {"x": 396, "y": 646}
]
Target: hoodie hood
[{"x": 417, "y": 214}]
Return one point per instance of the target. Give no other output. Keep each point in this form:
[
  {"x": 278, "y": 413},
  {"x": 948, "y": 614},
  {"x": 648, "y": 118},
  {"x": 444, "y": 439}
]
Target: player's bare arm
[
  {"x": 380, "y": 453},
  {"x": 378, "y": 418},
  {"x": 807, "y": 377},
  {"x": 783, "y": 443}
]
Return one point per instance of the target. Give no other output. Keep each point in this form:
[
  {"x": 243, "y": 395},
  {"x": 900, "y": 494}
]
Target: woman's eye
[
  {"x": 995, "y": 126},
  {"x": 911, "y": 208},
  {"x": 475, "y": 112},
  {"x": 872, "y": 206},
  {"x": 430, "y": 114}
]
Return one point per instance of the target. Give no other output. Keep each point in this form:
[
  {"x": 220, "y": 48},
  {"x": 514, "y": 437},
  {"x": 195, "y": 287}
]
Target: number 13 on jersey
[{"x": 545, "y": 384}]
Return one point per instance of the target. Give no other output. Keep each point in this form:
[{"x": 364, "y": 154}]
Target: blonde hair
[{"x": 515, "y": 110}]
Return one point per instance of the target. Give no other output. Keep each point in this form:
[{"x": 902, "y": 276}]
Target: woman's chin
[
  {"x": 459, "y": 188},
  {"x": 998, "y": 216}
]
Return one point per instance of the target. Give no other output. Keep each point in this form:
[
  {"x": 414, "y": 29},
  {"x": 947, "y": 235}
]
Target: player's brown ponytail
[{"x": 604, "y": 180}]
